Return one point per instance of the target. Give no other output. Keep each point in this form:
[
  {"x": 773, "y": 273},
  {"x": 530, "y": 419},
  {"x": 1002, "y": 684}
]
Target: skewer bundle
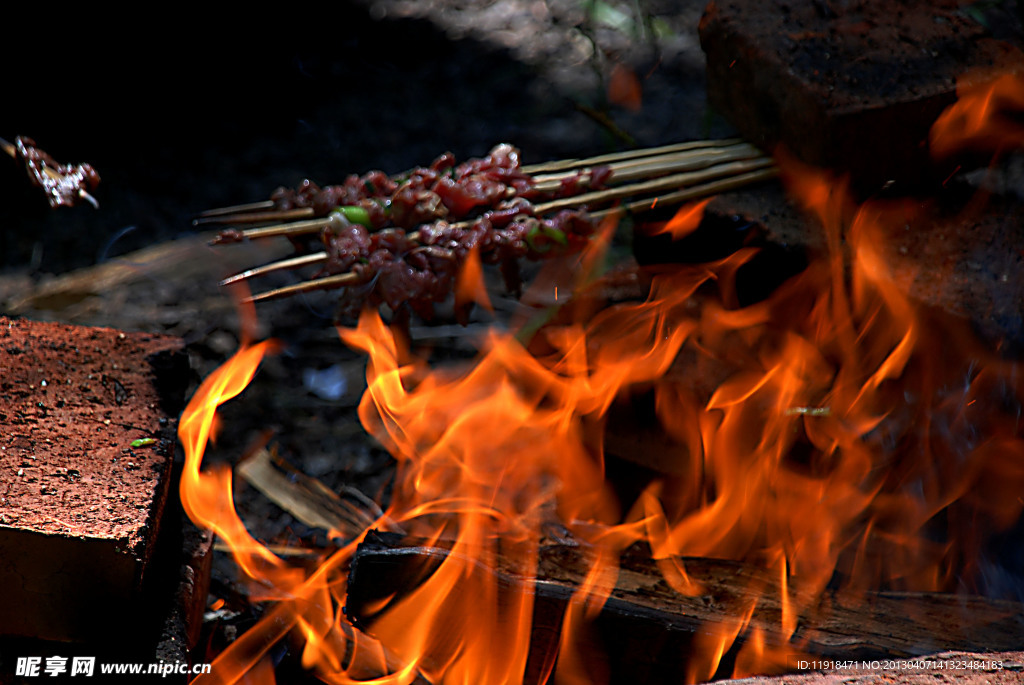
[{"x": 402, "y": 239}]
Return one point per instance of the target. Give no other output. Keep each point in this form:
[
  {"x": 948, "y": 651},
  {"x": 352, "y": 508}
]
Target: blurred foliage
[{"x": 635, "y": 21}]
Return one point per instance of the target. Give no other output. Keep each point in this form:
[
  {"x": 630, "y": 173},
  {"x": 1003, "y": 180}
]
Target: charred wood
[{"x": 648, "y": 630}]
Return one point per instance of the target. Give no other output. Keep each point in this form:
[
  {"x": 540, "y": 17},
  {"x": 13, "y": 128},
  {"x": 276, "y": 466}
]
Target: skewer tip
[
  {"x": 233, "y": 279},
  {"x": 88, "y": 198}
]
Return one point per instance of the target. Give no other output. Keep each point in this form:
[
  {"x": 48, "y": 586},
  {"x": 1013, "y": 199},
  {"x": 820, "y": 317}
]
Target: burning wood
[
  {"x": 648, "y": 631},
  {"x": 307, "y": 499},
  {"x": 516, "y": 475}
]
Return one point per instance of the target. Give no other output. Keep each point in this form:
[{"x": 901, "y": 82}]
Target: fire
[
  {"x": 685, "y": 221},
  {"x": 826, "y": 434},
  {"x": 207, "y": 497},
  {"x": 985, "y": 117},
  {"x": 469, "y": 286}
]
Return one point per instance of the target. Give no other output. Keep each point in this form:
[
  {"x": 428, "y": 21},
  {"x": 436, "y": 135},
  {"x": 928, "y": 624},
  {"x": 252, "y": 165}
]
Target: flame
[
  {"x": 827, "y": 435},
  {"x": 469, "y": 286},
  {"x": 685, "y": 221},
  {"x": 207, "y": 496},
  {"x": 985, "y": 117}
]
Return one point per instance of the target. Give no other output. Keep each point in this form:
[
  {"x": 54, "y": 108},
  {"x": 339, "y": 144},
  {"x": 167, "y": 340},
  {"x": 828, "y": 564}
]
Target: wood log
[
  {"x": 306, "y": 498},
  {"x": 648, "y": 631}
]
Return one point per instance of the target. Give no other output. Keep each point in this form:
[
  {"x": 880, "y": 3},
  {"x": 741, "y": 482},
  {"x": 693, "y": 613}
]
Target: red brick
[
  {"x": 79, "y": 506},
  {"x": 849, "y": 86}
]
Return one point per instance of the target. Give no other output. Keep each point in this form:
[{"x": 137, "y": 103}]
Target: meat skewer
[
  {"x": 706, "y": 173},
  {"x": 63, "y": 184},
  {"x": 634, "y": 207},
  {"x": 501, "y": 213},
  {"x": 692, "y": 149},
  {"x": 562, "y": 178}
]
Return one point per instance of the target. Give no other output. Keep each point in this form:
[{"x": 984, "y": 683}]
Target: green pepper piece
[
  {"x": 531, "y": 235},
  {"x": 548, "y": 232},
  {"x": 355, "y": 214},
  {"x": 556, "y": 235},
  {"x": 144, "y": 442}
]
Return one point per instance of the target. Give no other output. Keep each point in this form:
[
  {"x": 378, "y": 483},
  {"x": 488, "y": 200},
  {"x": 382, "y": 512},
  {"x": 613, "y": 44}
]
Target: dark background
[{"x": 185, "y": 112}]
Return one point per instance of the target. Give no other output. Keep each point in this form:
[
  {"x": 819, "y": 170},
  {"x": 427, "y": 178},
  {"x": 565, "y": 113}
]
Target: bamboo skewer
[
  {"x": 324, "y": 283},
  {"x": 9, "y": 148},
  {"x": 628, "y": 154},
  {"x": 656, "y": 185},
  {"x": 254, "y": 217},
  {"x": 283, "y": 265},
  {"x": 293, "y": 229},
  {"x": 238, "y": 209},
  {"x": 659, "y": 166},
  {"x": 685, "y": 194}
]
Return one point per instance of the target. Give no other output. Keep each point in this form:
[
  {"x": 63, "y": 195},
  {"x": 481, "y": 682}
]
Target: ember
[{"x": 848, "y": 441}]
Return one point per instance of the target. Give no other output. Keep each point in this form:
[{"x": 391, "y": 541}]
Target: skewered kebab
[
  {"x": 309, "y": 200},
  {"x": 492, "y": 205},
  {"x": 63, "y": 184}
]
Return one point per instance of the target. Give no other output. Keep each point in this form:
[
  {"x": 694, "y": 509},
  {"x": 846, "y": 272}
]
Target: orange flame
[
  {"x": 685, "y": 221},
  {"x": 207, "y": 496},
  {"x": 985, "y": 117},
  {"x": 469, "y": 286},
  {"x": 825, "y": 435}
]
